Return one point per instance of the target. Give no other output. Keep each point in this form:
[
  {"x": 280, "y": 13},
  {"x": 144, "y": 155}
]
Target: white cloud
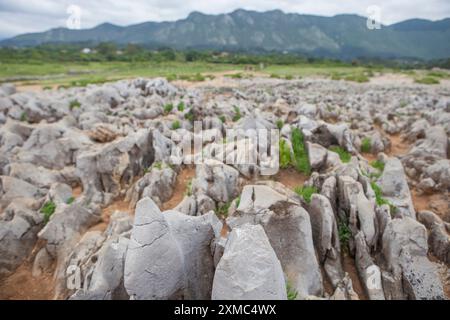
[{"x": 22, "y": 16}]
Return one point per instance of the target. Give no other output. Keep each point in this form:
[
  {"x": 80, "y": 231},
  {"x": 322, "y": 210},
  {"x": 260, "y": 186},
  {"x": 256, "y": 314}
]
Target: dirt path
[
  {"x": 349, "y": 266},
  {"x": 290, "y": 178}
]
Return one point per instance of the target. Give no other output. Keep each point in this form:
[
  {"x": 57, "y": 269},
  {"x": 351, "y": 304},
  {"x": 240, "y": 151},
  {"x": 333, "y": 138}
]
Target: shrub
[
  {"x": 377, "y": 164},
  {"x": 285, "y": 154},
  {"x": 176, "y": 125},
  {"x": 70, "y": 200},
  {"x": 189, "y": 116},
  {"x": 280, "y": 124},
  {"x": 222, "y": 118},
  {"x": 289, "y": 77},
  {"x": 344, "y": 234},
  {"x": 306, "y": 192},
  {"x": 188, "y": 191},
  {"x": 198, "y": 78},
  {"x": 47, "y": 210},
  {"x": 180, "y": 106},
  {"x": 300, "y": 153},
  {"x": 380, "y": 200},
  {"x": 74, "y": 104},
  {"x": 237, "y": 114},
  {"x": 366, "y": 145},
  {"x": 343, "y": 155},
  {"x": 222, "y": 210},
  {"x": 168, "y": 108}
]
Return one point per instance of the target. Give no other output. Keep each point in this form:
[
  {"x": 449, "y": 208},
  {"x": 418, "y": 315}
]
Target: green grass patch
[
  {"x": 176, "y": 125},
  {"x": 366, "y": 145},
  {"x": 47, "y": 210},
  {"x": 70, "y": 200},
  {"x": 300, "y": 153},
  {"x": 180, "y": 106},
  {"x": 222, "y": 210},
  {"x": 237, "y": 114},
  {"x": 74, "y": 104},
  {"x": 285, "y": 154},
  {"x": 280, "y": 124},
  {"x": 222, "y": 118},
  {"x": 168, "y": 108},
  {"x": 291, "y": 292},
  {"x": 306, "y": 192},
  {"x": 427, "y": 80},
  {"x": 377, "y": 164},
  {"x": 343, "y": 155}
]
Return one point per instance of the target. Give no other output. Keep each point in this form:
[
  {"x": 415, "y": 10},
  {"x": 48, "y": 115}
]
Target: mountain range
[{"x": 342, "y": 36}]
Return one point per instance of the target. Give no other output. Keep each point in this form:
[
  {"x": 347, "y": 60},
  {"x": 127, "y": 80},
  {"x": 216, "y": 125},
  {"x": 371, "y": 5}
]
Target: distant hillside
[{"x": 341, "y": 36}]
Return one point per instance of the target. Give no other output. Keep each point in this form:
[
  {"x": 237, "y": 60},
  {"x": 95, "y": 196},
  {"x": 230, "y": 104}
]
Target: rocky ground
[{"x": 91, "y": 206}]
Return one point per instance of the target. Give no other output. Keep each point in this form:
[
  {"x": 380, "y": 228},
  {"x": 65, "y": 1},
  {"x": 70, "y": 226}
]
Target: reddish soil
[
  {"x": 183, "y": 178},
  {"x": 398, "y": 146},
  {"x": 350, "y": 267},
  {"x": 290, "y": 178},
  {"x": 21, "y": 285}
]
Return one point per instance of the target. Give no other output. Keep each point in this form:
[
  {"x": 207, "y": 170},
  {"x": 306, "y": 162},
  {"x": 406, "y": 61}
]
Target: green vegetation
[
  {"x": 280, "y": 124},
  {"x": 74, "y": 104},
  {"x": 47, "y": 210},
  {"x": 238, "y": 201},
  {"x": 70, "y": 200},
  {"x": 23, "y": 117},
  {"x": 285, "y": 154},
  {"x": 300, "y": 153},
  {"x": 176, "y": 125},
  {"x": 427, "y": 80},
  {"x": 188, "y": 191},
  {"x": 291, "y": 292},
  {"x": 343, "y": 155},
  {"x": 168, "y": 108},
  {"x": 222, "y": 209},
  {"x": 377, "y": 164},
  {"x": 222, "y": 118},
  {"x": 344, "y": 234},
  {"x": 380, "y": 200},
  {"x": 189, "y": 116},
  {"x": 366, "y": 145},
  {"x": 157, "y": 165},
  {"x": 306, "y": 192},
  {"x": 237, "y": 114},
  {"x": 180, "y": 106}
]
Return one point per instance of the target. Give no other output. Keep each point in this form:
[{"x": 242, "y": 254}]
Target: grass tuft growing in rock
[
  {"x": 300, "y": 153},
  {"x": 70, "y": 200},
  {"x": 344, "y": 234},
  {"x": 285, "y": 155},
  {"x": 168, "y": 108},
  {"x": 176, "y": 125},
  {"x": 237, "y": 114},
  {"x": 366, "y": 145},
  {"x": 74, "y": 104},
  {"x": 47, "y": 210},
  {"x": 306, "y": 192},
  {"x": 291, "y": 292},
  {"x": 222, "y": 210},
  {"x": 180, "y": 106},
  {"x": 377, "y": 164},
  {"x": 343, "y": 155},
  {"x": 280, "y": 124}
]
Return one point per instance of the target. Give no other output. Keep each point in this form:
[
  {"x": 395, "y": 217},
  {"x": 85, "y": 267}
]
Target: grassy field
[{"x": 80, "y": 74}]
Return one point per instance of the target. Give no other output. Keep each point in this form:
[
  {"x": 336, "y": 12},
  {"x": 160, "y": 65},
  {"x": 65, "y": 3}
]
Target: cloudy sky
[{"x": 22, "y": 16}]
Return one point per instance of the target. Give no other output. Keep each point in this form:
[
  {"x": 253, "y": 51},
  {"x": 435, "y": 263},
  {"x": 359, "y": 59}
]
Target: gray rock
[
  {"x": 395, "y": 189},
  {"x": 216, "y": 180},
  {"x": 18, "y": 234},
  {"x": 249, "y": 268},
  {"x": 326, "y": 238}
]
